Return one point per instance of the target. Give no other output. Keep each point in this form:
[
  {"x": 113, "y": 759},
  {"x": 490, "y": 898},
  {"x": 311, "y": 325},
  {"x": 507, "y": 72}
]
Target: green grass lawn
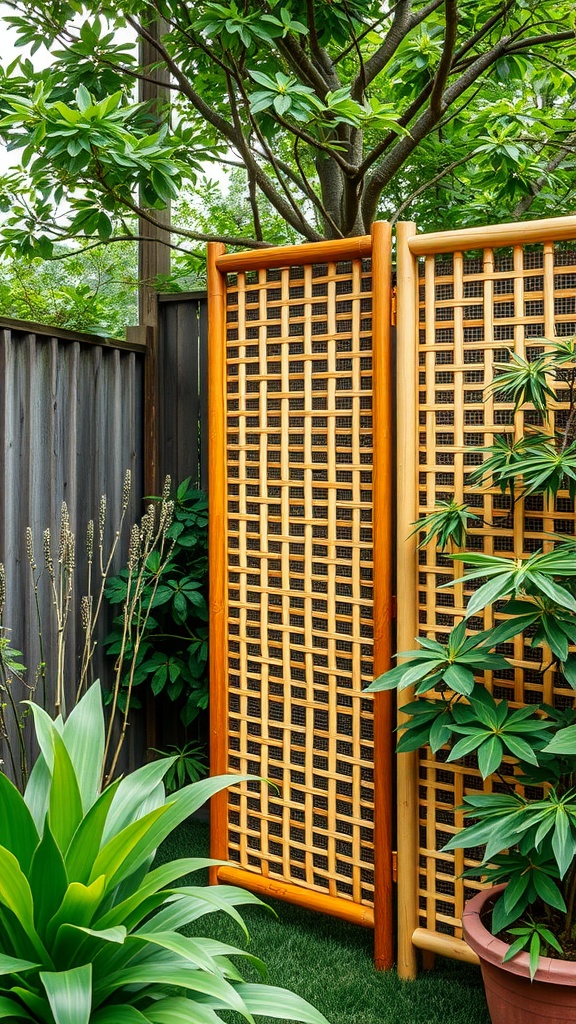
[{"x": 329, "y": 962}]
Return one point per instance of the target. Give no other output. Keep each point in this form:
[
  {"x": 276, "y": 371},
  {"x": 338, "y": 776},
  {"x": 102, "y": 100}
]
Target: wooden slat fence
[
  {"x": 183, "y": 387},
  {"x": 71, "y": 418},
  {"x": 465, "y": 300},
  {"x": 300, "y": 575}
]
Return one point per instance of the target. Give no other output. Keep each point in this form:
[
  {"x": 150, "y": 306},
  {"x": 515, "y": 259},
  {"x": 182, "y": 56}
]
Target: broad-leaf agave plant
[{"x": 89, "y": 930}]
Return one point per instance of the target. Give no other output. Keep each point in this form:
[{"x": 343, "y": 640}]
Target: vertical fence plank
[
  {"x": 407, "y": 623},
  {"x": 382, "y": 489},
  {"x": 217, "y": 546},
  {"x": 71, "y": 424}
]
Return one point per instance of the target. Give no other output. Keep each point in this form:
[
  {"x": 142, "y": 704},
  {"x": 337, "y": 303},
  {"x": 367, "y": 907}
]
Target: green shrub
[
  {"x": 172, "y": 657},
  {"x": 88, "y": 929}
]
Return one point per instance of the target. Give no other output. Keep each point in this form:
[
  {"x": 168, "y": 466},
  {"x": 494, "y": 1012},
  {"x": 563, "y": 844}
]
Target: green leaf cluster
[
  {"x": 89, "y": 929},
  {"x": 172, "y": 657}
]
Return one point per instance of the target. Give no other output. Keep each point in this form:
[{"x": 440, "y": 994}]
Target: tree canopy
[{"x": 333, "y": 114}]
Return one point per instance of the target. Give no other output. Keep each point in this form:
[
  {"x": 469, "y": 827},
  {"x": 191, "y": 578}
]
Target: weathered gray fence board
[
  {"x": 71, "y": 417},
  {"x": 183, "y": 386}
]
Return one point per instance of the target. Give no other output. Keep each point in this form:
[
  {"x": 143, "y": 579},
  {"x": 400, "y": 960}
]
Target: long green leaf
[
  {"x": 65, "y": 803},
  {"x": 69, "y": 994},
  {"x": 490, "y": 592},
  {"x": 76, "y": 945},
  {"x": 118, "y": 857},
  {"x": 48, "y": 879},
  {"x": 15, "y": 893},
  {"x": 44, "y": 728},
  {"x": 564, "y": 742},
  {"x": 79, "y": 906},
  {"x": 563, "y": 841},
  {"x": 131, "y": 794},
  {"x": 163, "y": 821},
  {"x": 192, "y": 902},
  {"x": 13, "y": 1011},
  {"x": 12, "y": 965},
  {"x": 18, "y": 832},
  {"x": 119, "y": 1015},
  {"x": 84, "y": 737},
  {"x": 164, "y": 974},
  {"x": 130, "y": 912},
  {"x": 179, "y": 1010},
  {"x": 279, "y": 1002},
  {"x": 37, "y": 791},
  {"x": 39, "y": 1007},
  {"x": 87, "y": 838}
]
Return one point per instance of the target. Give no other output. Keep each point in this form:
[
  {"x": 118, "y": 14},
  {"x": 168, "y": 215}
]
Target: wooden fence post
[
  {"x": 407, "y": 477},
  {"x": 382, "y": 541},
  {"x": 153, "y": 260},
  {"x": 217, "y": 548}
]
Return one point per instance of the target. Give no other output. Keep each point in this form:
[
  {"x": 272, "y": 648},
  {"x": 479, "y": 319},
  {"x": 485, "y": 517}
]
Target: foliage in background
[
  {"x": 90, "y": 931},
  {"x": 172, "y": 655},
  {"x": 333, "y": 114},
  {"x": 188, "y": 764},
  {"x": 93, "y": 291},
  {"x": 528, "y": 835}
]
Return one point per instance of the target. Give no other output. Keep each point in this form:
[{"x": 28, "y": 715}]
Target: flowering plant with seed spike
[
  {"x": 172, "y": 656},
  {"x": 148, "y": 551}
]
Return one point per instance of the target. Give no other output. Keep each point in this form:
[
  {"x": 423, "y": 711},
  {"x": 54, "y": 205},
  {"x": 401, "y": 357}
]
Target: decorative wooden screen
[
  {"x": 466, "y": 301},
  {"x": 296, "y": 572}
]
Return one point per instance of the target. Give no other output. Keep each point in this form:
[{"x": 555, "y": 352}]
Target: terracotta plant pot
[{"x": 512, "y": 997}]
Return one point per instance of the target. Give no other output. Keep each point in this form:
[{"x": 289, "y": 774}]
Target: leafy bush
[
  {"x": 173, "y": 652},
  {"x": 88, "y": 929}
]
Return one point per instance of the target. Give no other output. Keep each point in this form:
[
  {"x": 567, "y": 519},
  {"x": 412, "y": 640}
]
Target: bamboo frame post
[
  {"x": 217, "y": 547},
  {"x": 382, "y": 541},
  {"x": 407, "y": 624}
]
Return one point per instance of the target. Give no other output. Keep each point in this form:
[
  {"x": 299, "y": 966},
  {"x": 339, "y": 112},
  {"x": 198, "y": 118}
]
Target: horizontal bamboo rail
[
  {"x": 276, "y": 889},
  {"x": 444, "y": 945},
  {"x": 287, "y": 255},
  {"x": 561, "y": 229}
]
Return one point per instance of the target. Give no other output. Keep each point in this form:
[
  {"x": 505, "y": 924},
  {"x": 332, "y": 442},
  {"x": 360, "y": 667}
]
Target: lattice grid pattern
[
  {"x": 476, "y": 307},
  {"x": 300, "y": 586}
]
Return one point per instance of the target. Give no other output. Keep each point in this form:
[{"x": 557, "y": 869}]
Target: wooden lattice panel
[
  {"x": 300, "y": 575},
  {"x": 475, "y": 308}
]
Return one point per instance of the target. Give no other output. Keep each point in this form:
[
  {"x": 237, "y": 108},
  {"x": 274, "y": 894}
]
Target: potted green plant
[
  {"x": 89, "y": 929},
  {"x": 524, "y": 930}
]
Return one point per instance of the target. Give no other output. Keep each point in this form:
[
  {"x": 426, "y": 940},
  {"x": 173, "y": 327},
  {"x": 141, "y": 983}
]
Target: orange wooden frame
[
  {"x": 445, "y": 305},
  {"x": 378, "y": 247}
]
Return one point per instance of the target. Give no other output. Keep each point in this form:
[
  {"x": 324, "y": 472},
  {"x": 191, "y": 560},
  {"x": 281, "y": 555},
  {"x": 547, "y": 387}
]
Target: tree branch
[
  {"x": 293, "y": 214},
  {"x": 312, "y": 195},
  {"x": 373, "y": 66},
  {"x": 441, "y": 77},
  {"x": 424, "y": 125},
  {"x": 428, "y": 184},
  {"x": 536, "y": 187},
  {"x": 482, "y": 31},
  {"x": 232, "y": 133}
]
